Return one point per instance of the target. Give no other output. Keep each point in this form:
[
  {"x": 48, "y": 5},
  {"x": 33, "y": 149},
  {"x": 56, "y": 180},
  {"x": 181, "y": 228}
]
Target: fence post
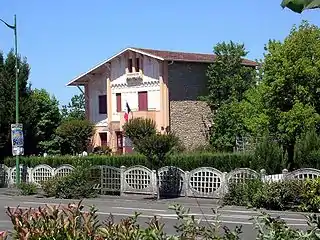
[
  {"x": 284, "y": 174},
  {"x": 122, "y": 180},
  {"x": 154, "y": 183},
  {"x": 224, "y": 184},
  {"x": 186, "y": 184},
  {"x": 263, "y": 175}
]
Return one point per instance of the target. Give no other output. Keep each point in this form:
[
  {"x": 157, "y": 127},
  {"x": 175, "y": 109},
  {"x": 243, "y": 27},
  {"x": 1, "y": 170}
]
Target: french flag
[{"x": 126, "y": 114}]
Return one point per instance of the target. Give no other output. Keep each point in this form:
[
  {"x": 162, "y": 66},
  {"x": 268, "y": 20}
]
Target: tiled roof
[{"x": 187, "y": 57}]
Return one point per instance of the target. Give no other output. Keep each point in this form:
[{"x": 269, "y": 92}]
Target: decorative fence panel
[
  {"x": 138, "y": 179},
  {"x": 303, "y": 173},
  {"x": 206, "y": 182},
  {"x": 172, "y": 182}
]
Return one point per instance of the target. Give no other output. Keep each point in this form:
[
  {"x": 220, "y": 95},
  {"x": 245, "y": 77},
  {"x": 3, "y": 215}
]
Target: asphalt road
[{"x": 123, "y": 207}]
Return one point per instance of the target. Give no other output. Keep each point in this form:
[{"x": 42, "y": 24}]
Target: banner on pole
[{"x": 17, "y": 139}]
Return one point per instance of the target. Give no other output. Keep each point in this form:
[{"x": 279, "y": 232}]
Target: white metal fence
[{"x": 205, "y": 182}]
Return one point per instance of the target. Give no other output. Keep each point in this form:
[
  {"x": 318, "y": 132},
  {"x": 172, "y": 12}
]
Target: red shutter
[
  {"x": 118, "y": 95},
  {"x": 103, "y": 104},
  {"x": 143, "y": 101}
]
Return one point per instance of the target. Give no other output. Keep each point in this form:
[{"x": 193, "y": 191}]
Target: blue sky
[{"x": 63, "y": 39}]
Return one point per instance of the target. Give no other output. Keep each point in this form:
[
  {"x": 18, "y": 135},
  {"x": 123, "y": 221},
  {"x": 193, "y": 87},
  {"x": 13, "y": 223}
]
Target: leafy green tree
[
  {"x": 44, "y": 119},
  {"x": 228, "y": 78},
  {"x": 75, "y": 109},
  {"x": 139, "y": 128},
  {"x": 155, "y": 148},
  {"x": 291, "y": 84},
  {"x": 74, "y": 136},
  {"x": 7, "y": 98},
  {"x": 299, "y": 6}
]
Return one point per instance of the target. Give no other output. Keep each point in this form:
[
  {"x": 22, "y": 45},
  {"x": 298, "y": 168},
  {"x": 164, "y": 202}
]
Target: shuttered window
[
  {"x": 118, "y": 96},
  {"x": 143, "y": 101},
  {"x": 103, "y": 104}
]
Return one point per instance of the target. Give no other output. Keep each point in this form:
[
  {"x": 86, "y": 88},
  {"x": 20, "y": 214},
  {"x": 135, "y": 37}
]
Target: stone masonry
[{"x": 190, "y": 118}]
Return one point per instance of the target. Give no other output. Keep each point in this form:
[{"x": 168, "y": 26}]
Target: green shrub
[
  {"x": 310, "y": 197},
  {"x": 49, "y": 187},
  {"x": 76, "y": 185},
  {"x": 269, "y": 153},
  {"x": 28, "y": 188},
  {"x": 242, "y": 194},
  {"x": 284, "y": 195}
]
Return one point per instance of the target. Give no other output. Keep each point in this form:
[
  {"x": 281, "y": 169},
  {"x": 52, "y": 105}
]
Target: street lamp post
[{"x": 14, "y": 27}]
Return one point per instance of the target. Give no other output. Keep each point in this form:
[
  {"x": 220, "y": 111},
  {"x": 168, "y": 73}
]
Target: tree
[
  {"x": 154, "y": 146},
  {"x": 7, "y": 97},
  {"x": 139, "y": 128},
  {"x": 44, "y": 118},
  {"x": 291, "y": 83},
  {"x": 74, "y": 136},
  {"x": 228, "y": 78},
  {"x": 75, "y": 109},
  {"x": 299, "y": 6}
]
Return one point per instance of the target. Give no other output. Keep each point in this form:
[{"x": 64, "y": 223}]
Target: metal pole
[
  {"x": 14, "y": 27},
  {"x": 17, "y": 94}
]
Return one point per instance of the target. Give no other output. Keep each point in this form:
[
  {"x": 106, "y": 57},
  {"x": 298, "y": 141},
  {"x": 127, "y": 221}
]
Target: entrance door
[{"x": 119, "y": 142}]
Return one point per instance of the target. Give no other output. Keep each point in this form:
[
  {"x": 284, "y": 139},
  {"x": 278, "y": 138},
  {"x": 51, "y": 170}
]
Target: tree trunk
[{"x": 290, "y": 151}]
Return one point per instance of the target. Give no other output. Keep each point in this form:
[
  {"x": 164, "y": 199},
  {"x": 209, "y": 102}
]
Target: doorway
[{"x": 119, "y": 142}]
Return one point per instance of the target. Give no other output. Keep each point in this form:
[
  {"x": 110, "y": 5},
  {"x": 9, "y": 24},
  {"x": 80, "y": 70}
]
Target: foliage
[
  {"x": 75, "y": 222},
  {"x": 291, "y": 79},
  {"x": 156, "y": 147},
  {"x": 268, "y": 152},
  {"x": 139, "y": 128},
  {"x": 299, "y": 6},
  {"x": 44, "y": 110},
  {"x": 78, "y": 184},
  {"x": 103, "y": 150},
  {"x": 306, "y": 146},
  {"x": 228, "y": 78},
  {"x": 310, "y": 197},
  {"x": 186, "y": 161},
  {"x": 227, "y": 126},
  {"x": 74, "y": 136},
  {"x": 28, "y": 188},
  {"x": 75, "y": 109},
  {"x": 7, "y": 99},
  {"x": 55, "y": 222},
  {"x": 301, "y": 195},
  {"x": 242, "y": 194}
]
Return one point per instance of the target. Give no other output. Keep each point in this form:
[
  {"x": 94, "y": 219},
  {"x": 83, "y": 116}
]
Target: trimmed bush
[
  {"x": 78, "y": 184},
  {"x": 186, "y": 161},
  {"x": 284, "y": 195}
]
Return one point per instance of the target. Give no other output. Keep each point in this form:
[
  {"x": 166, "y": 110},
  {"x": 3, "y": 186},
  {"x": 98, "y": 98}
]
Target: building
[{"x": 162, "y": 85}]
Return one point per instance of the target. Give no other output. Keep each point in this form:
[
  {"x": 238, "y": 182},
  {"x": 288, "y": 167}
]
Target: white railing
[{"x": 205, "y": 182}]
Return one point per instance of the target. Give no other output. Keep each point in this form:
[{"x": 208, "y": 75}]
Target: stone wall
[
  {"x": 190, "y": 121},
  {"x": 190, "y": 118}
]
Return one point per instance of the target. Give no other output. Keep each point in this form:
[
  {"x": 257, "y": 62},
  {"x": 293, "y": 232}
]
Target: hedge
[
  {"x": 224, "y": 162},
  {"x": 221, "y": 161}
]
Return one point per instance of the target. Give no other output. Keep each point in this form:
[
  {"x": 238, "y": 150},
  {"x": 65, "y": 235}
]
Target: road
[{"x": 123, "y": 207}]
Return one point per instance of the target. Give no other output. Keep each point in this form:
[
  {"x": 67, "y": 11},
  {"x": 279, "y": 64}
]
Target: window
[
  {"x": 104, "y": 139},
  {"x": 137, "y": 64},
  {"x": 118, "y": 96},
  {"x": 130, "y": 65},
  {"x": 103, "y": 104},
  {"x": 143, "y": 101}
]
